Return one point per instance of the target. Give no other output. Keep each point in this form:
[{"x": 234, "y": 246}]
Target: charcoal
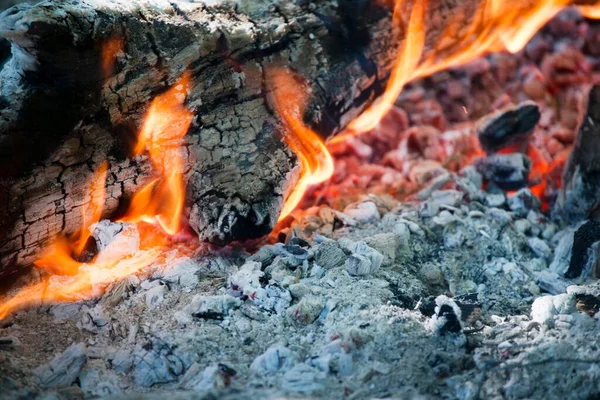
[
  {"x": 504, "y": 127},
  {"x": 216, "y": 307},
  {"x": 8, "y": 342},
  {"x": 586, "y": 236},
  {"x": 276, "y": 358},
  {"x": 551, "y": 282},
  {"x": 507, "y": 171},
  {"x": 115, "y": 240},
  {"x": 386, "y": 244},
  {"x": 249, "y": 281},
  {"x": 539, "y": 247},
  {"x": 523, "y": 201},
  {"x": 365, "y": 212},
  {"x": 154, "y": 366},
  {"x": 303, "y": 379},
  {"x": 64, "y": 368},
  {"x": 307, "y": 310},
  {"x": 587, "y": 298},
  {"x": 469, "y": 305},
  {"x": 329, "y": 254},
  {"x": 579, "y": 195},
  {"x": 216, "y": 376},
  {"x": 446, "y": 321}
]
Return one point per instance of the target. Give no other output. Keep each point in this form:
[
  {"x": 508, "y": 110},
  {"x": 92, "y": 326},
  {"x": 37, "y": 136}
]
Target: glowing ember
[
  {"x": 288, "y": 94},
  {"x": 160, "y": 203},
  {"x": 110, "y": 50}
]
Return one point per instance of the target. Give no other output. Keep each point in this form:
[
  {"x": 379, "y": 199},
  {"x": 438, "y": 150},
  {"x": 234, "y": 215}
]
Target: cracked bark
[{"x": 61, "y": 116}]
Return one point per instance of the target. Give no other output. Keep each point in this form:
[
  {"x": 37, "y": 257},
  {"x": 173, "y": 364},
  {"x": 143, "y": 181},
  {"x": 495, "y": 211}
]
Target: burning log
[
  {"x": 82, "y": 75},
  {"x": 93, "y": 68},
  {"x": 580, "y": 192}
]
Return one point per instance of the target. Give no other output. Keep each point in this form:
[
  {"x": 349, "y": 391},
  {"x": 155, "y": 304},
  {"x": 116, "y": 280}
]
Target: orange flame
[
  {"x": 166, "y": 123},
  {"x": 58, "y": 258},
  {"x": 289, "y": 99},
  {"x": 159, "y": 203},
  {"x": 590, "y": 11},
  {"x": 496, "y": 25},
  {"x": 90, "y": 280}
]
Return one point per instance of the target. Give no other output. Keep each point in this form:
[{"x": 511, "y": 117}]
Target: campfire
[{"x": 352, "y": 199}]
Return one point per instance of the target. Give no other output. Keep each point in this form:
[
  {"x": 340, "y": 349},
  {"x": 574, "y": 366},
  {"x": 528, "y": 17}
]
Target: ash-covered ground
[
  {"x": 461, "y": 291},
  {"x": 444, "y": 298}
]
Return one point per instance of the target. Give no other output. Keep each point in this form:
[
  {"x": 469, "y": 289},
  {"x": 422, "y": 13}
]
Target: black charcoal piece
[
  {"x": 580, "y": 192},
  {"x": 585, "y": 237},
  {"x": 507, "y": 171},
  {"x": 469, "y": 305},
  {"x": 504, "y": 127},
  {"x": 452, "y": 324}
]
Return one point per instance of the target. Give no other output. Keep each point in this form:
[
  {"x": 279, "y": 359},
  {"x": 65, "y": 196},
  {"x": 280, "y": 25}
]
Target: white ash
[
  {"x": 300, "y": 319},
  {"x": 115, "y": 240},
  {"x": 64, "y": 368}
]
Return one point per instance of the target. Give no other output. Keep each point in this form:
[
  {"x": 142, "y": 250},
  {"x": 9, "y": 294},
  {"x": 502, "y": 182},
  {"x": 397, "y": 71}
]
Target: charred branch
[{"x": 580, "y": 192}]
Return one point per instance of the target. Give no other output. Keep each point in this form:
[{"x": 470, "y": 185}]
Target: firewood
[{"x": 64, "y": 110}]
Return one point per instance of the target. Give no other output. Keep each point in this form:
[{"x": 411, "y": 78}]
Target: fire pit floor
[{"x": 361, "y": 316}]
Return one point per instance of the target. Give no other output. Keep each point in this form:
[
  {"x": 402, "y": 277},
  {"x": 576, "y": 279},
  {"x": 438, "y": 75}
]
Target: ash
[
  {"x": 436, "y": 298},
  {"x": 455, "y": 292}
]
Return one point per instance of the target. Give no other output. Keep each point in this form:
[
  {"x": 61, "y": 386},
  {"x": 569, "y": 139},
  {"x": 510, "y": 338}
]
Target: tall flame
[
  {"x": 289, "y": 99},
  {"x": 496, "y": 25},
  {"x": 166, "y": 123},
  {"x": 159, "y": 203}
]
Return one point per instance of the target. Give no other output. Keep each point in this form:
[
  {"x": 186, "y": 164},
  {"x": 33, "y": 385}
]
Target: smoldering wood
[
  {"x": 579, "y": 195},
  {"x": 507, "y": 126},
  {"x": 61, "y": 115}
]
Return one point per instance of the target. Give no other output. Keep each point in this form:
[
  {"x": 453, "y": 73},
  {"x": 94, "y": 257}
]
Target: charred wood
[
  {"x": 580, "y": 193},
  {"x": 62, "y": 114}
]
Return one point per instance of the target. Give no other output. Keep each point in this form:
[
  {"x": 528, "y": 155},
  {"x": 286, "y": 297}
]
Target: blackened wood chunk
[
  {"x": 588, "y": 304},
  {"x": 580, "y": 192},
  {"x": 505, "y": 127},
  {"x": 507, "y": 171},
  {"x": 582, "y": 254}
]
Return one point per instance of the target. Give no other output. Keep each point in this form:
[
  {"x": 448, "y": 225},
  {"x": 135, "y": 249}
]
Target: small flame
[
  {"x": 289, "y": 99},
  {"x": 495, "y": 26},
  {"x": 59, "y": 257},
  {"x": 159, "y": 203}
]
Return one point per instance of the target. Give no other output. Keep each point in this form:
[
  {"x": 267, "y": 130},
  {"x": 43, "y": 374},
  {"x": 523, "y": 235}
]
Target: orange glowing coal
[
  {"x": 159, "y": 203},
  {"x": 110, "y": 50},
  {"x": 289, "y": 95},
  {"x": 496, "y": 25}
]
